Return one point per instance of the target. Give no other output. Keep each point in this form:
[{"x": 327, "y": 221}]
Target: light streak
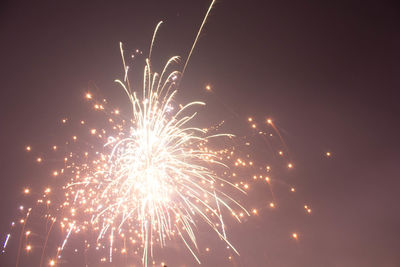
[{"x": 6, "y": 242}]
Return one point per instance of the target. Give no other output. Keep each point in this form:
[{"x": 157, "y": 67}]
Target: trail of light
[
  {"x": 111, "y": 244},
  {"x": 21, "y": 235},
  {"x": 197, "y": 36},
  {"x": 45, "y": 242},
  {"x": 66, "y": 238},
  {"x": 5, "y": 242}
]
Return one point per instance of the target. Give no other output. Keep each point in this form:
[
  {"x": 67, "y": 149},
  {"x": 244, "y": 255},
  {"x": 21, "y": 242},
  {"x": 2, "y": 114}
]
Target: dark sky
[{"x": 327, "y": 72}]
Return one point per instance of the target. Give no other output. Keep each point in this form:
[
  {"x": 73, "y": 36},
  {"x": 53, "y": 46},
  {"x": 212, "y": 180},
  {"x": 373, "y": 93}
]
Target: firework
[
  {"x": 158, "y": 177},
  {"x": 148, "y": 177}
]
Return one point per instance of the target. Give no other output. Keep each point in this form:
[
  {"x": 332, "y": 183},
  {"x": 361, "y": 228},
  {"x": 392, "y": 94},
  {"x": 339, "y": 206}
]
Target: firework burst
[
  {"x": 158, "y": 177},
  {"x": 148, "y": 177}
]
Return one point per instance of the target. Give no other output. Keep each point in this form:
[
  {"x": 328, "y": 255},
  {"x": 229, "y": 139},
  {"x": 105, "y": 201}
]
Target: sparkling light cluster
[{"x": 143, "y": 179}]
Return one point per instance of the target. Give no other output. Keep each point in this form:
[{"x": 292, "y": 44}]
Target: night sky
[{"x": 325, "y": 71}]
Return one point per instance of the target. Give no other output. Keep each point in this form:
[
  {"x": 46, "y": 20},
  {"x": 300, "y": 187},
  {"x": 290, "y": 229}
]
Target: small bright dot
[
  {"x": 207, "y": 249},
  {"x": 269, "y": 121},
  {"x": 28, "y": 248},
  {"x": 254, "y": 211},
  {"x": 208, "y": 88},
  {"x": 74, "y": 137},
  {"x": 254, "y": 126},
  {"x": 93, "y": 131},
  {"x": 28, "y": 148},
  {"x": 55, "y": 173},
  {"x": 292, "y": 189},
  {"x": 52, "y": 263},
  {"x": 290, "y": 165},
  {"x": 116, "y": 111},
  {"x": 250, "y": 119},
  {"x": 295, "y": 236},
  {"x": 27, "y": 191},
  {"x": 328, "y": 154},
  {"x": 272, "y": 205},
  {"x": 64, "y": 120},
  {"x": 281, "y": 153},
  {"x": 39, "y": 160},
  {"x": 89, "y": 96}
]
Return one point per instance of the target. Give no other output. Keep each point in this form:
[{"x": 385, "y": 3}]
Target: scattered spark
[{"x": 295, "y": 236}]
